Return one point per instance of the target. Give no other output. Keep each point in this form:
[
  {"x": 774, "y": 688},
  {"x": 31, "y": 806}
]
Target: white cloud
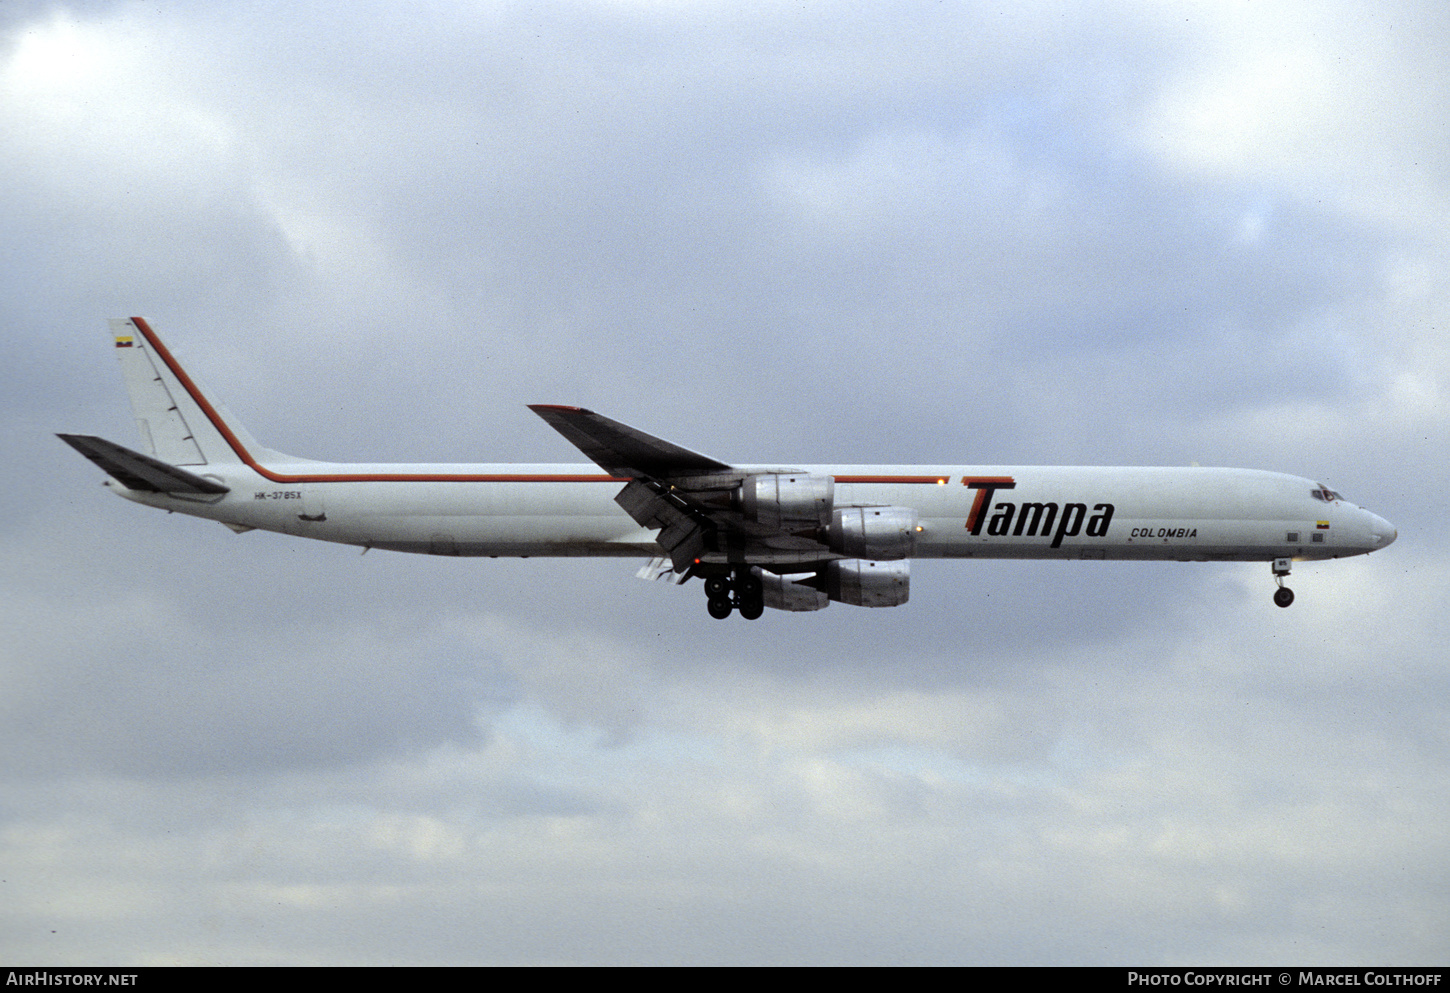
[
  {"x": 100, "y": 111},
  {"x": 1324, "y": 102}
]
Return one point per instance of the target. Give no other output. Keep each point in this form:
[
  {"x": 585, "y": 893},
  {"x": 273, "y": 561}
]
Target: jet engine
[
  {"x": 783, "y": 593},
  {"x": 880, "y": 533},
  {"x": 863, "y": 583},
  {"x": 787, "y": 500}
]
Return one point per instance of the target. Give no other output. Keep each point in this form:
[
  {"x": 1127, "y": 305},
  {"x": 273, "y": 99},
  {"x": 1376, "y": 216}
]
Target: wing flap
[
  {"x": 140, "y": 472},
  {"x": 682, "y": 532}
]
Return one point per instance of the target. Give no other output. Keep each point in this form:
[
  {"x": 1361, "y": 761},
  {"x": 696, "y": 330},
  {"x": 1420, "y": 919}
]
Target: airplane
[{"x": 793, "y": 538}]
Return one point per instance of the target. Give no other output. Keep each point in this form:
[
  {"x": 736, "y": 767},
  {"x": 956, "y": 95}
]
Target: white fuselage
[{"x": 963, "y": 511}]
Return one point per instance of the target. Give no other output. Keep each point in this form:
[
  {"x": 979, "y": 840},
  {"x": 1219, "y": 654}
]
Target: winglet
[{"x": 621, "y": 450}]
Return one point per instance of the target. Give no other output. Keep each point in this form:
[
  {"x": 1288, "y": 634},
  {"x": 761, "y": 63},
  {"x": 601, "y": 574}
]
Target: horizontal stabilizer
[
  {"x": 140, "y": 472},
  {"x": 621, "y": 450}
]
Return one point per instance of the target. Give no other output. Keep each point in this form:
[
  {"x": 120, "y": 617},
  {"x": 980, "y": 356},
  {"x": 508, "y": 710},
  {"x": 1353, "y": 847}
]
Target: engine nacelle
[
  {"x": 783, "y": 594},
  {"x": 881, "y": 533},
  {"x": 791, "y": 501},
  {"x": 864, "y": 583}
]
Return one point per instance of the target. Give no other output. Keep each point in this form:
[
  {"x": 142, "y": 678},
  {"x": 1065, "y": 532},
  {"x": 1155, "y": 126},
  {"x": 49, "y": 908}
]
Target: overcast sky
[{"x": 1129, "y": 232}]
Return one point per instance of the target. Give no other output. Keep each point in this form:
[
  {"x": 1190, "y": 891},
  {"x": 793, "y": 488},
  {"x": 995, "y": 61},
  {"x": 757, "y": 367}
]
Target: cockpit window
[{"x": 1325, "y": 494}]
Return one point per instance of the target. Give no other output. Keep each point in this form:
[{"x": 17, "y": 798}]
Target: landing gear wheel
[
  {"x": 720, "y": 607},
  {"x": 749, "y": 594},
  {"x": 717, "y": 586},
  {"x": 1283, "y": 596}
]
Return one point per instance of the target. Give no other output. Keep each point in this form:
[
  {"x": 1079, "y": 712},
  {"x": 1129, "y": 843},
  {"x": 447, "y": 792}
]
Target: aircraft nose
[{"x": 1381, "y": 531}]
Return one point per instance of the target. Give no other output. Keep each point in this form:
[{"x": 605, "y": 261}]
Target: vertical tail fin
[{"x": 178, "y": 424}]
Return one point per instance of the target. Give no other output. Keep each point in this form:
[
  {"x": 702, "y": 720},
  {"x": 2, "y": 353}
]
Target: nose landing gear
[
  {"x": 743, "y": 591},
  {"x": 1283, "y": 596}
]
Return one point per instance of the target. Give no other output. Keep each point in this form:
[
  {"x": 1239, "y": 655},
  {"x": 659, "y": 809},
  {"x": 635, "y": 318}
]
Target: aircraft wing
[
  {"x": 140, "y": 472},
  {"x": 686, "y": 495},
  {"x": 621, "y": 450}
]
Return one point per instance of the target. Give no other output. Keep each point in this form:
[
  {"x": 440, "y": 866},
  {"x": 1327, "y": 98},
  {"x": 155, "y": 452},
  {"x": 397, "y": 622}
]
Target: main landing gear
[
  {"x": 1283, "y": 596},
  {"x": 742, "y": 591}
]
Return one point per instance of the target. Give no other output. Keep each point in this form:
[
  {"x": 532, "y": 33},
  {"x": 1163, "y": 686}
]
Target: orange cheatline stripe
[
  {"x": 399, "y": 477},
  {"x": 892, "y": 479},
  {"x": 461, "y": 477}
]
